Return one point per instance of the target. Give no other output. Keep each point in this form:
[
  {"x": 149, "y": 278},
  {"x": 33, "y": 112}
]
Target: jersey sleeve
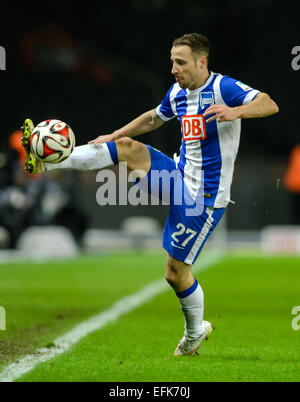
[
  {"x": 164, "y": 110},
  {"x": 235, "y": 93}
]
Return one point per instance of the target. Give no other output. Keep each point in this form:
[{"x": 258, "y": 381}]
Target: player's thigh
[
  {"x": 161, "y": 177},
  {"x": 135, "y": 154}
]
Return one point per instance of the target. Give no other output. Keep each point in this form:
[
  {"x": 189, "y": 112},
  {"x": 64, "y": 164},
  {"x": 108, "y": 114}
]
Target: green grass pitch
[{"x": 248, "y": 299}]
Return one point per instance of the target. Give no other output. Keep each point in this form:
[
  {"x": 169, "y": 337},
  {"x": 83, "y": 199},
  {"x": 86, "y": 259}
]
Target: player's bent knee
[
  {"x": 128, "y": 148},
  {"x": 135, "y": 154},
  {"x": 124, "y": 147},
  {"x": 125, "y": 142}
]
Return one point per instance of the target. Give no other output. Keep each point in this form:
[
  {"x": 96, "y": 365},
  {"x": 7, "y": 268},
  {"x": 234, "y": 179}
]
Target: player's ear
[
  {"x": 203, "y": 61},
  {"x": 199, "y": 62}
]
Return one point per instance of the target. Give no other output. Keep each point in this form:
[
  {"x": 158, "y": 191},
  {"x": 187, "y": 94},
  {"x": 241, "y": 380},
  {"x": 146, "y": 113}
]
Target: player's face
[{"x": 189, "y": 70}]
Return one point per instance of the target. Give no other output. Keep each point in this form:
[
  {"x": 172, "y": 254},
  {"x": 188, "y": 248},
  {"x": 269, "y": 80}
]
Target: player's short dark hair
[{"x": 197, "y": 42}]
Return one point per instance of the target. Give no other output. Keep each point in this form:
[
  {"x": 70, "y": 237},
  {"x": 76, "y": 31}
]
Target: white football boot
[
  {"x": 33, "y": 165},
  {"x": 187, "y": 347}
]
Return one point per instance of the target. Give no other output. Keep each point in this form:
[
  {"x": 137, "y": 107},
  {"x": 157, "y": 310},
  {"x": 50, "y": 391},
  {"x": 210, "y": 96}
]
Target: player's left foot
[
  {"x": 187, "y": 347},
  {"x": 32, "y": 164}
]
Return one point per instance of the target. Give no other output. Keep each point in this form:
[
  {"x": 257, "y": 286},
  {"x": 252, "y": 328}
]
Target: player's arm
[
  {"x": 146, "y": 122},
  {"x": 261, "y": 106}
]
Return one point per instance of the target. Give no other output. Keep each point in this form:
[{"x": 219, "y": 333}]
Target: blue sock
[
  {"x": 113, "y": 152},
  {"x": 188, "y": 291}
]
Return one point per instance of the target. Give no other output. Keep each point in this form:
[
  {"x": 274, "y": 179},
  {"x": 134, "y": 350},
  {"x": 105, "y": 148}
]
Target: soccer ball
[{"x": 52, "y": 141}]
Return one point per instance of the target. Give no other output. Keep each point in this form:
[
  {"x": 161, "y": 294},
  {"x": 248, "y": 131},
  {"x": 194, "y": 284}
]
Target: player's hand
[
  {"x": 102, "y": 139},
  {"x": 222, "y": 113}
]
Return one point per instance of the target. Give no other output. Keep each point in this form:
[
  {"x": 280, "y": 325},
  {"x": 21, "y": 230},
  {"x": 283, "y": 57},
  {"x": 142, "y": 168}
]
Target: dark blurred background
[{"x": 97, "y": 65}]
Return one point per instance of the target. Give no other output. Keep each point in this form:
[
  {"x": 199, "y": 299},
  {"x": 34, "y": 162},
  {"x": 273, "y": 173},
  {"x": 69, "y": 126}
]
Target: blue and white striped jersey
[{"x": 211, "y": 147}]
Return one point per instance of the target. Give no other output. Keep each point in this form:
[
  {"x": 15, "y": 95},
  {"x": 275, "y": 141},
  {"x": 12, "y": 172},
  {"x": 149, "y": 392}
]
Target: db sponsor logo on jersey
[{"x": 193, "y": 127}]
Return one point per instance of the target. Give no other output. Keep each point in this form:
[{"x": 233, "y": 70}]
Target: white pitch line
[{"x": 16, "y": 370}]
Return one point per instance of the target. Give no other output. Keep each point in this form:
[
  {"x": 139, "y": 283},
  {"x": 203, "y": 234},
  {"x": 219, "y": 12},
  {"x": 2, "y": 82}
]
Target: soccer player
[{"x": 209, "y": 108}]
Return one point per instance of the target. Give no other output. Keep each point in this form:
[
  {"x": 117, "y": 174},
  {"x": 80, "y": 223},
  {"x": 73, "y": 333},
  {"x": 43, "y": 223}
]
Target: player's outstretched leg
[
  {"x": 191, "y": 298},
  {"x": 91, "y": 156}
]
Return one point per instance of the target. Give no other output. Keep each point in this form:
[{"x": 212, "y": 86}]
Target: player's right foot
[
  {"x": 32, "y": 164},
  {"x": 188, "y": 347}
]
